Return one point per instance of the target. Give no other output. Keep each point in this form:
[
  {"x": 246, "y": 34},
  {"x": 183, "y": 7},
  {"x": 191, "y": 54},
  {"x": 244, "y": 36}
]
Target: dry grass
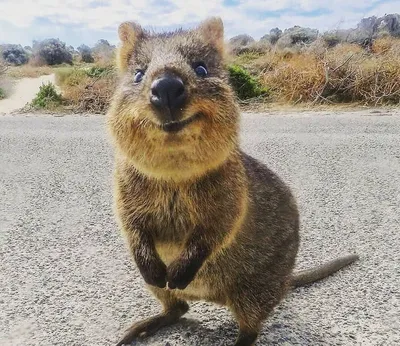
[
  {"x": 29, "y": 71},
  {"x": 67, "y": 76},
  {"x": 33, "y": 70},
  {"x": 84, "y": 92},
  {"x": 345, "y": 73}
]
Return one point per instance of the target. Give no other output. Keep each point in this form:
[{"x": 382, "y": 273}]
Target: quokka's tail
[{"x": 307, "y": 276}]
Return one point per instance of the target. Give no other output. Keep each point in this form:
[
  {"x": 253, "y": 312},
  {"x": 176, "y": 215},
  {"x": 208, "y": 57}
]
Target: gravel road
[{"x": 67, "y": 278}]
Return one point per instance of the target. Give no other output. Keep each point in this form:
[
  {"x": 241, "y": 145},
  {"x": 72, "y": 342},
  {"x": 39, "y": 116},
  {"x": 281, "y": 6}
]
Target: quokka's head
[{"x": 174, "y": 115}]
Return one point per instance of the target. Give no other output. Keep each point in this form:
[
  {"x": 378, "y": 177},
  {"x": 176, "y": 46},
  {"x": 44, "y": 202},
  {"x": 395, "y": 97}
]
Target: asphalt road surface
[{"x": 66, "y": 277}]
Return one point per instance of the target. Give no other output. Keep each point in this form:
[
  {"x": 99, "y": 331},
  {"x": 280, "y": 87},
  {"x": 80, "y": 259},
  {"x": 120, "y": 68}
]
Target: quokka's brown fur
[{"x": 203, "y": 220}]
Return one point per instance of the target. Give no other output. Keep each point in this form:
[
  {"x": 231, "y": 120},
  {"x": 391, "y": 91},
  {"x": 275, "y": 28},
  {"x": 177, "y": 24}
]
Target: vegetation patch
[
  {"x": 343, "y": 74},
  {"x": 99, "y": 71},
  {"x": 245, "y": 86},
  {"x": 14, "y": 54},
  {"x": 293, "y": 66},
  {"x": 51, "y": 52},
  {"x": 5, "y": 82},
  {"x": 29, "y": 71},
  {"x": 47, "y": 97},
  {"x": 87, "y": 90}
]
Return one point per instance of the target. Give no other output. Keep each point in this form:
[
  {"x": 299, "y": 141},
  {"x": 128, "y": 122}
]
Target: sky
[{"x": 87, "y": 21}]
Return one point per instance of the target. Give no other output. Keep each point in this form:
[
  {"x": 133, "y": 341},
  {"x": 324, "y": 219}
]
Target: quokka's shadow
[
  {"x": 274, "y": 334},
  {"x": 282, "y": 329},
  {"x": 190, "y": 331}
]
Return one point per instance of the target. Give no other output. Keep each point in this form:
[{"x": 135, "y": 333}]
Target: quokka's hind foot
[
  {"x": 249, "y": 326},
  {"x": 151, "y": 325},
  {"x": 250, "y": 313},
  {"x": 246, "y": 338}
]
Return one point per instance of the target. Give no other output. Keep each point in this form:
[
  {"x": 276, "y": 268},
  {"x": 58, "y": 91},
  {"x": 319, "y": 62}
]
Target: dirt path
[{"x": 24, "y": 91}]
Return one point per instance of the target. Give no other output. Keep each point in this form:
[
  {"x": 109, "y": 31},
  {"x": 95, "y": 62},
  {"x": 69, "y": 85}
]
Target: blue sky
[{"x": 77, "y": 22}]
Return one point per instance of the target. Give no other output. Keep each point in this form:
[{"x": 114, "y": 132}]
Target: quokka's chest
[
  {"x": 169, "y": 215},
  {"x": 171, "y": 222}
]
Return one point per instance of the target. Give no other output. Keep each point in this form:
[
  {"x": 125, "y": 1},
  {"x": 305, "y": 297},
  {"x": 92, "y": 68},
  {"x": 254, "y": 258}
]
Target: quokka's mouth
[{"x": 176, "y": 126}]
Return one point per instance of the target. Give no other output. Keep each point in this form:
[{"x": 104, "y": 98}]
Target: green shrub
[
  {"x": 244, "y": 84},
  {"x": 98, "y": 71},
  {"x": 47, "y": 97},
  {"x": 2, "y": 94}
]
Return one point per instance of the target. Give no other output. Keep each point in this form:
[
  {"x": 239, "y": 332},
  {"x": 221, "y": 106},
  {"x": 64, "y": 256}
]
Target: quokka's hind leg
[
  {"x": 252, "y": 307},
  {"x": 173, "y": 310},
  {"x": 249, "y": 325}
]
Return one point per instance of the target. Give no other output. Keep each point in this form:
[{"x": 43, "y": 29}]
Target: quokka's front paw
[
  {"x": 180, "y": 274},
  {"x": 155, "y": 273}
]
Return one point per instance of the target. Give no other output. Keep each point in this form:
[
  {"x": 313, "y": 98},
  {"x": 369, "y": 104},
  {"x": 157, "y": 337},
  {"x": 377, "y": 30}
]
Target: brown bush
[
  {"x": 297, "y": 78},
  {"x": 386, "y": 45},
  {"x": 345, "y": 73},
  {"x": 87, "y": 94}
]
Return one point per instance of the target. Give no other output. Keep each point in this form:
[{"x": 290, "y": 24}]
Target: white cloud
[{"x": 247, "y": 16}]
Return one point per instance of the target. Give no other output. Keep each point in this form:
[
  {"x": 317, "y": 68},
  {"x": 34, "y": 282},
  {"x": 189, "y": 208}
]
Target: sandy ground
[
  {"x": 24, "y": 91},
  {"x": 66, "y": 277}
]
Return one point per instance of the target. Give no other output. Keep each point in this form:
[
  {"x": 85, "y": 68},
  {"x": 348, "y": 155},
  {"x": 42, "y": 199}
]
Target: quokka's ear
[
  {"x": 129, "y": 33},
  {"x": 212, "y": 30}
]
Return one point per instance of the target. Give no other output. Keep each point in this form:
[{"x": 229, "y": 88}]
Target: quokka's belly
[{"x": 168, "y": 251}]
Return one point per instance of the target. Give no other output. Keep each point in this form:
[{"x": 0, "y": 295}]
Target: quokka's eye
[
  {"x": 138, "y": 76},
  {"x": 200, "y": 70}
]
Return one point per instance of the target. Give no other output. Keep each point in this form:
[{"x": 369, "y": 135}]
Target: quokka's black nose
[{"x": 168, "y": 92}]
